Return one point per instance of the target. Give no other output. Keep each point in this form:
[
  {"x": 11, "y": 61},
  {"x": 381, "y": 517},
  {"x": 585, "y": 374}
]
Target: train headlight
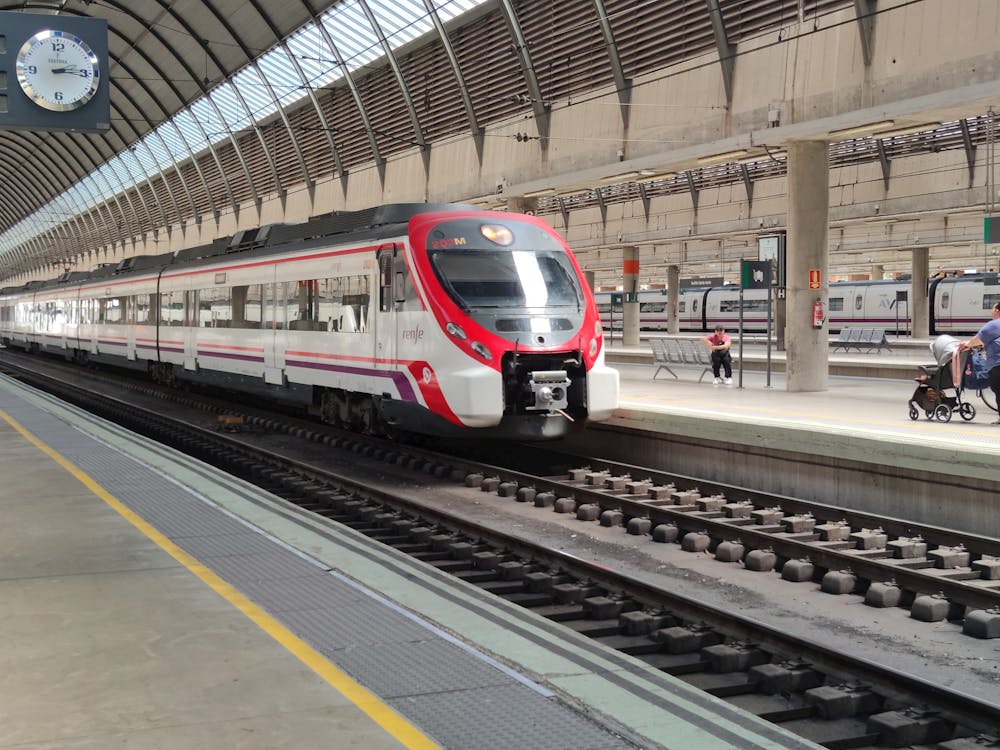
[
  {"x": 455, "y": 331},
  {"x": 497, "y": 234},
  {"x": 482, "y": 351},
  {"x": 593, "y": 347}
]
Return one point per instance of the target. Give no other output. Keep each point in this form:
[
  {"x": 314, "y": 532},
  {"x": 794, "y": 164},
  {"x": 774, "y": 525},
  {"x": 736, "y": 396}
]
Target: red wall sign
[{"x": 814, "y": 278}]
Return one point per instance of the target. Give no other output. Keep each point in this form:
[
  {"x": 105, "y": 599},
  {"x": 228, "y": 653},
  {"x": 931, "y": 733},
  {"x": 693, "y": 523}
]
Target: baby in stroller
[{"x": 939, "y": 386}]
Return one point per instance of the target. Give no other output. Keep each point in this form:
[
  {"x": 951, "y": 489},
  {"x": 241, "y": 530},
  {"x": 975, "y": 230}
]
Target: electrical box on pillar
[{"x": 817, "y": 317}]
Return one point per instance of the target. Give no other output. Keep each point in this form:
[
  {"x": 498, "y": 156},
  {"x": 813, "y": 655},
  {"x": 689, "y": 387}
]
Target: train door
[
  {"x": 856, "y": 311},
  {"x": 131, "y": 316},
  {"x": 385, "y": 313},
  {"x": 971, "y": 303},
  {"x": 273, "y": 308},
  {"x": 191, "y": 323},
  {"x": 944, "y": 304},
  {"x": 684, "y": 309}
]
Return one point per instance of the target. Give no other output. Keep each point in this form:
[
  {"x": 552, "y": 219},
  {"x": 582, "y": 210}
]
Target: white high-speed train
[
  {"x": 423, "y": 318},
  {"x": 957, "y": 305}
]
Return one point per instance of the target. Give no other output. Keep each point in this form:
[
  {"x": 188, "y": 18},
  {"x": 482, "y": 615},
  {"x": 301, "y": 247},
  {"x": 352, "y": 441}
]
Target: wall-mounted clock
[{"x": 57, "y": 70}]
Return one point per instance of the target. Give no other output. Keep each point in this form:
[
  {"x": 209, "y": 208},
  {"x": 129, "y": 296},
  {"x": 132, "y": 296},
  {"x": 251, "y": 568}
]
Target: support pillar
[
  {"x": 591, "y": 278},
  {"x": 807, "y": 357},
  {"x": 630, "y": 296},
  {"x": 673, "y": 299},
  {"x": 877, "y": 272},
  {"x": 919, "y": 299}
]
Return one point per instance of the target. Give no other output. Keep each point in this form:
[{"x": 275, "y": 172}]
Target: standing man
[
  {"x": 989, "y": 337},
  {"x": 719, "y": 344}
]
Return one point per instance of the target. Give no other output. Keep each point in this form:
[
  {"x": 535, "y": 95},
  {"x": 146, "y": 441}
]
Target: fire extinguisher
[{"x": 817, "y": 318}]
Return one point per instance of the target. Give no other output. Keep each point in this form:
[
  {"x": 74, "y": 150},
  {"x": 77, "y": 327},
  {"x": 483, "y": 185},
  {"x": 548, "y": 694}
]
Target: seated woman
[{"x": 719, "y": 343}]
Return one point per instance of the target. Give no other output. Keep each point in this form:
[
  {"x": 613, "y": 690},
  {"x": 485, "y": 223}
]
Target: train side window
[
  {"x": 237, "y": 307},
  {"x": 214, "y": 307},
  {"x": 858, "y": 302},
  {"x": 111, "y": 311},
  {"x": 694, "y": 306},
  {"x": 989, "y": 300},
  {"x": 172, "y": 308},
  {"x": 836, "y": 304},
  {"x": 681, "y": 306},
  {"x": 405, "y": 293},
  {"x": 346, "y": 302},
  {"x": 945, "y": 300},
  {"x": 144, "y": 305},
  {"x": 253, "y": 303},
  {"x": 385, "y": 292}
]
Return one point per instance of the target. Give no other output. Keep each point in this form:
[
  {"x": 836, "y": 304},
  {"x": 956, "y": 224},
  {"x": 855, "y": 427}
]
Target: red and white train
[
  {"x": 956, "y": 305},
  {"x": 423, "y": 318}
]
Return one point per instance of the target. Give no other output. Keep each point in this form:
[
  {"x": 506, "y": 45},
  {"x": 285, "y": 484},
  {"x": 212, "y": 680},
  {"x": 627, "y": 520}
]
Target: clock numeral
[
  {"x": 58, "y": 96},
  {"x": 32, "y": 69},
  {"x": 58, "y": 46}
]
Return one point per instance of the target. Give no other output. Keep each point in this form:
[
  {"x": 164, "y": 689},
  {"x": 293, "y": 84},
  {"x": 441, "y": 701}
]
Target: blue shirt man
[{"x": 989, "y": 338}]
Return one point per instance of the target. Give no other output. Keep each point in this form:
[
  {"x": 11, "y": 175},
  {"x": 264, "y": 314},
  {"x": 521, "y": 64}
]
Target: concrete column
[
  {"x": 877, "y": 272},
  {"x": 673, "y": 298},
  {"x": 808, "y": 211},
  {"x": 919, "y": 301},
  {"x": 630, "y": 296},
  {"x": 590, "y": 278}
]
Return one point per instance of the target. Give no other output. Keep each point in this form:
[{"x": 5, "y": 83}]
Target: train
[
  {"x": 403, "y": 319},
  {"x": 957, "y": 305}
]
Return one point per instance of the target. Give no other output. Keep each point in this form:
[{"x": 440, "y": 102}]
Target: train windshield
[{"x": 478, "y": 279}]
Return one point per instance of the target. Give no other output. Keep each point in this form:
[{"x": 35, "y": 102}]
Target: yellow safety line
[{"x": 370, "y": 704}]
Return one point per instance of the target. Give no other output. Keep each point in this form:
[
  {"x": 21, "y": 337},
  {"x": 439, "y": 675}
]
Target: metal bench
[
  {"x": 664, "y": 356},
  {"x": 668, "y": 352},
  {"x": 862, "y": 339}
]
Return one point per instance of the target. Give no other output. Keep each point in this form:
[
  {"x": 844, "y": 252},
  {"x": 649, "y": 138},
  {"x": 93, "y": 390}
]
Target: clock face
[{"x": 58, "y": 71}]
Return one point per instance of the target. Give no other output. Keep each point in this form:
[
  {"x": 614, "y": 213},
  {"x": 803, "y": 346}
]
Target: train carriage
[
  {"x": 956, "y": 305},
  {"x": 436, "y": 319}
]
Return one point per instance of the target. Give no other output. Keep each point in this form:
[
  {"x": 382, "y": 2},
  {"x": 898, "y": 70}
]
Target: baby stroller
[{"x": 938, "y": 393}]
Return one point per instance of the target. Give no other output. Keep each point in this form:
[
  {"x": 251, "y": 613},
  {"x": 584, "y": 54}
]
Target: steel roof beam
[
  {"x": 622, "y": 84},
  {"x": 477, "y": 130},
  {"x": 352, "y": 86},
  {"x": 970, "y": 149},
  {"x": 418, "y": 132},
  {"x": 864, "y": 10},
  {"x": 727, "y": 55},
  {"x": 538, "y": 105}
]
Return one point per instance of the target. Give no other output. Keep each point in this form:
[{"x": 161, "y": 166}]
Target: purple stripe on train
[
  {"x": 226, "y": 355},
  {"x": 399, "y": 379}
]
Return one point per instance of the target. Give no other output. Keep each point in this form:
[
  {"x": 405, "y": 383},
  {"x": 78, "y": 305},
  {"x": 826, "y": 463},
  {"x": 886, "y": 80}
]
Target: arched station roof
[{"x": 219, "y": 105}]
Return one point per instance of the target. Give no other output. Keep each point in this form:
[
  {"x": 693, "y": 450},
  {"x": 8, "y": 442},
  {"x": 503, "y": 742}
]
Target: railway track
[{"x": 830, "y": 697}]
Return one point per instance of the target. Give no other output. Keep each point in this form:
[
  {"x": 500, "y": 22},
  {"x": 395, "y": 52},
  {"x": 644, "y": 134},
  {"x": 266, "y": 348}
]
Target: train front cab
[{"x": 519, "y": 328}]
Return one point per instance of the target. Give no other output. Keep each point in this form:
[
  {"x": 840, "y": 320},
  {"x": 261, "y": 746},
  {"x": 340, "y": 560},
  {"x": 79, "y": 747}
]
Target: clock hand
[{"x": 71, "y": 69}]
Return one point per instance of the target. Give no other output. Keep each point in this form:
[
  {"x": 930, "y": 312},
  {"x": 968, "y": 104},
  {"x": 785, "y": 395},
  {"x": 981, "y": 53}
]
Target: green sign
[
  {"x": 991, "y": 230},
  {"x": 755, "y": 274}
]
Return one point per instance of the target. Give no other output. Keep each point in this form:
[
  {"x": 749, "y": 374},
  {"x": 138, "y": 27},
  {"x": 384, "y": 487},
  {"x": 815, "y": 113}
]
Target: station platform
[
  {"x": 152, "y": 601},
  {"x": 854, "y": 441}
]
